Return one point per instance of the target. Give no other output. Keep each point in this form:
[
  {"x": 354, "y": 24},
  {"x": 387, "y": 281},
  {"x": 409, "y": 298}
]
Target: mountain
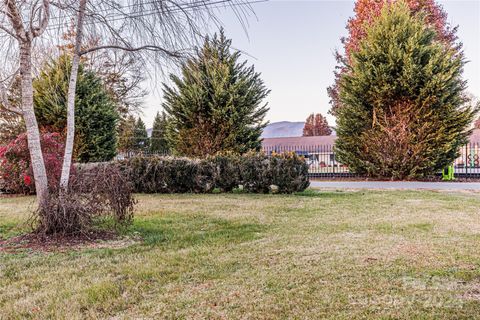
[
  {"x": 283, "y": 129},
  {"x": 280, "y": 129}
]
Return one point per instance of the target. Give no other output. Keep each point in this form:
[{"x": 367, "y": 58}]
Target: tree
[
  {"x": 126, "y": 133},
  {"x": 217, "y": 103},
  {"x": 95, "y": 117},
  {"x": 316, "y": 125},
  {"x": 404, "y": 112},
  {"x": 158, "y": 140},
  {"x": 366, "y": 12},
  {"x": 121, "y": 73},
  {"x": 157, "y": 37},
  {"x": 140, "y": 136}
]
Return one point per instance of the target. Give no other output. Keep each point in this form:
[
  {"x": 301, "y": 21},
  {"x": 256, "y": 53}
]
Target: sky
[{"x": 292, "y": 44}]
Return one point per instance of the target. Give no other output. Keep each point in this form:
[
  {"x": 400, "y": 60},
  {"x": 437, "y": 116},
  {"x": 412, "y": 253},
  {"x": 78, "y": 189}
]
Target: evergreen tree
[
  {"x": 95, "y": 113},
  {"x": 126, "y": 134},
  {"x": 404, "y": 112},
  {"x": 366, "y": 12},
  {"x": 140, "y": 136},
  {"x": 217, "y": 103},
  {"x": 316, "y": 125},
  {"x": 158, "y": 141}
]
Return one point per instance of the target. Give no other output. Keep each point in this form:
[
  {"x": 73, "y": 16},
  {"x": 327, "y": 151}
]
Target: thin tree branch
[
  {"x": 10, "y": 32},
  {"x": 173, "y": 54},
  {"x": 44, "y": 19},
  {"x": 4, "y": 96}
]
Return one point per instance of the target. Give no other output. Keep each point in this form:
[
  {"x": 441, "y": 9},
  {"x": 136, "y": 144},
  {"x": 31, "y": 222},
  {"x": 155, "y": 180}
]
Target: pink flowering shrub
[{"x": 15, "y": 169}]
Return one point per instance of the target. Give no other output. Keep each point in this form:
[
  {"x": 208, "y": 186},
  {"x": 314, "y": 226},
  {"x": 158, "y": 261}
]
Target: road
[{"x": 398, "y": 185}]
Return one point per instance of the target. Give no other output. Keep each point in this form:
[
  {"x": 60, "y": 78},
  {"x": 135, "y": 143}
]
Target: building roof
[
  {"x": 292, "y": 142},
  {"x": 296, "y": 142}
]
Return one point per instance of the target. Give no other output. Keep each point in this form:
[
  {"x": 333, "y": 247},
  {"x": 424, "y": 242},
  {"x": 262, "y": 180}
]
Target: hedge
[{"x": 254, "y": 172}]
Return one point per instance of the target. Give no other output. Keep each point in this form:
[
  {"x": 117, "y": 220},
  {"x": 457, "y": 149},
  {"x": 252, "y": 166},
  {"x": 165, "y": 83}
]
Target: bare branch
[
  {"x": 4, "y": 94},
  {"x": 172, "y": 54},
  {"x": 44, "y": 17},
  {"x": 10, "y": 32}
]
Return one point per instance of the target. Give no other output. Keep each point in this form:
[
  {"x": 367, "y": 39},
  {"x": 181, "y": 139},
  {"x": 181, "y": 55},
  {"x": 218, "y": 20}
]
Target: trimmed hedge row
[{"x": 254, "y": 172}]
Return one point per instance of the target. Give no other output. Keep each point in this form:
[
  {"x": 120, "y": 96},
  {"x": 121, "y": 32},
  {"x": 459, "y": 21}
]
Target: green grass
[{"x": 338, "y": 255}]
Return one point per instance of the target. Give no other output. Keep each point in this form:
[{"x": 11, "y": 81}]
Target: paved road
[{"x": 406, "y": 185}]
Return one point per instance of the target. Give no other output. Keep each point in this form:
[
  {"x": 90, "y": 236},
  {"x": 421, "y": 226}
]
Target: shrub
[
  {"x": 227, "y": 171},
  {"x": 256, "y": 172},
  {"x": 289, "y": 173},
  {"x": 102, "y": 190},
  {"x": 171, "y": 175},
  {"x": 15, "y": 168}
]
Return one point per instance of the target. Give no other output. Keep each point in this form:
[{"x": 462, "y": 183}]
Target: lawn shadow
[
  {"x": 182, "y": 231},
  {"x": 313, "y": 193}
]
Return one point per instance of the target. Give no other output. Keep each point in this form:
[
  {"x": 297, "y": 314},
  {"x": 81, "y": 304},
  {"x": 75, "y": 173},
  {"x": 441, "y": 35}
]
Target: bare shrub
[{"x": 99, "y": 191}]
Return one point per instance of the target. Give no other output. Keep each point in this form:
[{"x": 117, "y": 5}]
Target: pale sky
[{"x": 292, "y": 42}]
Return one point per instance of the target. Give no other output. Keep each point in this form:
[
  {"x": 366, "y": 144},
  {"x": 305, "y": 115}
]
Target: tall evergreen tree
[
  {"x": 316, "y": 125},
  {"x": 95, "y": 113},
  {"x": 217, "y": 103},
  {"x": 366, "y": 12},
  {"x": 140, "y": 136},
  {"x": 158, "y": 140},
  {"x": 404, "y": 112}
]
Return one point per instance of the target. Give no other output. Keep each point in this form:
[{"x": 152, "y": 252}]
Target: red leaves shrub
[{"x": 15, "y": 164}]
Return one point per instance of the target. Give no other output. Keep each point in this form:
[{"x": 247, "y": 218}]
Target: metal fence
[{"x": 323, "y": 162}]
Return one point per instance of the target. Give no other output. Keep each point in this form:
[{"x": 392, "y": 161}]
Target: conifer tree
[
  {"x": 159, "y": 141},
  {"x": 366, "y": 12},
  {"x": 216, "y": 105},
  {"x": 140, "y": 137},
  {"x": 126, "y": 130},
  {"x": 404, "y": 111},
  {"x": 95, "y": 117}
]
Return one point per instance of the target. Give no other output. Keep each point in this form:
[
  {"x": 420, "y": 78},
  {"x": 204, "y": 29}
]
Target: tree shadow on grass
[
  {"x": 180, "y": 232},
  {"x": 328, "y": 194}
]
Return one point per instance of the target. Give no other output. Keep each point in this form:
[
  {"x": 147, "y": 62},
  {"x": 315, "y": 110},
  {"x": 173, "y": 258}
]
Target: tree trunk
[
  {"x": 72, "y": 86},
  {"x": 33, "y": 133}
]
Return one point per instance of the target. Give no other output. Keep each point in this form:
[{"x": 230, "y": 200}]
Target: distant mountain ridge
[{"x": 283, "y": 129}]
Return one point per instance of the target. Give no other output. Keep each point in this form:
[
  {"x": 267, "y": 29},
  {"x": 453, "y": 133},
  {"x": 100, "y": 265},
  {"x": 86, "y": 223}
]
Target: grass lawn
[{"x": 339, "y": 255}]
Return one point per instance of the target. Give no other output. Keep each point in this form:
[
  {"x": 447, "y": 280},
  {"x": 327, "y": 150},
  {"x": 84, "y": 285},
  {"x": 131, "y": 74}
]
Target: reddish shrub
[{"x": 15, "y": 168}]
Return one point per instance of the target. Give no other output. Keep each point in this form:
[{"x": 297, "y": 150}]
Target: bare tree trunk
[
  {"x": 72, "y": 86},
  {"x": 33, "y": 133}
]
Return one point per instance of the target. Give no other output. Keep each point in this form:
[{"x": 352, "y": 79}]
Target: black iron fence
[{"x": 323, "y": 162}]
